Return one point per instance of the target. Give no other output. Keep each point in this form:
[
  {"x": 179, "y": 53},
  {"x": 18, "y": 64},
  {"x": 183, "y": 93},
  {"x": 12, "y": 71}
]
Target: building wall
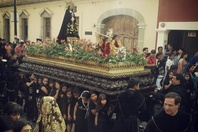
[
  {"x": 178, "y": 10},
  {"x": 89, "y": 12},
  {"x": 175, "y": 15}
]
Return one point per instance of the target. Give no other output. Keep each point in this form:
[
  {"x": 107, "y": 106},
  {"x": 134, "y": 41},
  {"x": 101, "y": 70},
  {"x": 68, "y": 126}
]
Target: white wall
[{"x": 89, "y": 12}]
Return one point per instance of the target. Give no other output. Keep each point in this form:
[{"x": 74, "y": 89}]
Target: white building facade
[{"x": 43, "y": 19}]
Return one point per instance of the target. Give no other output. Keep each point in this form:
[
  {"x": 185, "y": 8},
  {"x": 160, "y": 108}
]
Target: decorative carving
[{"x": 110, "y": 79}]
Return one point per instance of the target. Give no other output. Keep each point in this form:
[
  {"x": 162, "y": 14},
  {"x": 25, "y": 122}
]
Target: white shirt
[{"x": 169, "y": 63}]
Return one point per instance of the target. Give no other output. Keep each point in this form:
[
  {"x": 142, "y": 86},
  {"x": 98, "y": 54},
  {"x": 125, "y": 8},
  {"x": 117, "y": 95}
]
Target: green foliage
[{"x": 82, "y": 50}]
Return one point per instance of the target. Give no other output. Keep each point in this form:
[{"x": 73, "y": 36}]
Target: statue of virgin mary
[{"x": 68, "y": 28}]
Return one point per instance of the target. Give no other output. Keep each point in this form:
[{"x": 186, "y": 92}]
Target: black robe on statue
[{"x": 66, "y": 29}]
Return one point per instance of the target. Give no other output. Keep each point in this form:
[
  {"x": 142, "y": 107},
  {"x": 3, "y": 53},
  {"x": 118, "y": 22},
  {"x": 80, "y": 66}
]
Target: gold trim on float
[{"x": 120, "y": 69}]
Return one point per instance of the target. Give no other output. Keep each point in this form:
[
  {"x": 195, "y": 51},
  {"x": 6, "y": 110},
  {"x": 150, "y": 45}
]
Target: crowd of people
[
  {"x": 174, "y": 71},
  {"x": 51, "y": 105},
  {"x": 164, "y": 65},
  {"x": 11, "y": 121}
]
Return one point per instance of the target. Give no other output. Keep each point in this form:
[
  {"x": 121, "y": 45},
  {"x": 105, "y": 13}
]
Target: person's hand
[
  {"x": 64, "y": 116},
  {"x": 69, "y": 117},
  {"x": 170, "y": 82},
  {"x": 74, "y": 117}
]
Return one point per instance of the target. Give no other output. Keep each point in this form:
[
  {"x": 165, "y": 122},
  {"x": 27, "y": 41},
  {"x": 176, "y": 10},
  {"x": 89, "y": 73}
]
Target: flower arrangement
[{"x": 85, "y": 50}]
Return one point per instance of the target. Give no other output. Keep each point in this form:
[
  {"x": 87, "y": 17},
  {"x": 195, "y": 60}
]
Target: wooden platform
[{"x": 110, "y": 79}]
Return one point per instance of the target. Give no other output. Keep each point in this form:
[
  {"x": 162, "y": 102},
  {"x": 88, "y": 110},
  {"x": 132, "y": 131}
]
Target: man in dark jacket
[
  {"x": 178, "y": 87},
  {"x": 12, "y": 73}
]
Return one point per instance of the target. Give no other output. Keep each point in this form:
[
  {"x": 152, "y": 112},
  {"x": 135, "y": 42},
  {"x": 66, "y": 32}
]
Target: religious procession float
[{"x": 105, "y": 66}]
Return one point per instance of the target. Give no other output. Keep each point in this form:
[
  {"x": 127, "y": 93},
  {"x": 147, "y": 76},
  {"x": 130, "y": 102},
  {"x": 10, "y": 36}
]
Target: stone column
[
  {"x": 100, "y": 28},
  {"x": 162, "y": 38}
]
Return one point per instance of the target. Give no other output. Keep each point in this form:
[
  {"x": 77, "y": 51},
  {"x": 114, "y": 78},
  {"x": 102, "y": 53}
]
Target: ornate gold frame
[{"x": 108, "y": 70}]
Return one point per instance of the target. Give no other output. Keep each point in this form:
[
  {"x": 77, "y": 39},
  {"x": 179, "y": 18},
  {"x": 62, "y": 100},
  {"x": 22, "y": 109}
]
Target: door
[
  {"x": 124, "y": 26},
  {"x": 184, "y": 39}
]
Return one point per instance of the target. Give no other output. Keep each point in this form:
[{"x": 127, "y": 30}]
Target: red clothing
[
  {"x": 8, "y": 50},
  {"x": 151, "y": 60},
  {"x": 106, "y": 48},
  {"x": 106, "y": 51},
  {"x": 19, "y": 50}
]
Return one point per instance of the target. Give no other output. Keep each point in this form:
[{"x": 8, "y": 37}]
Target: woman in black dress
[
  {"x": 62, "y": 101},
  {"x": 92, "y": 110},
  {"x": 69, "y": 112},
  {"x": 167, "y": 82},
  {"x": 81, "y": 112},
  {"x": 102, "y": 114},
  {"x": 74, "y": 99}
]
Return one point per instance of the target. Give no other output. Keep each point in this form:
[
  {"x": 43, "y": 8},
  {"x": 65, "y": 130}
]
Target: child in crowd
[
  {"x": 81, "y": 112},
  {"x": 102, "y": 114},
  {"x": 44, "y": 88},
  {"x": 69, "y": 112},
  {"x": 62, "y": 100},
  {"x": 12, "y": 111},
  {"x": 31, "y": 87},
  {"x": 92, "y": 110},
  {"x": 191, "y": 70},
  {"x": 40, "y": 81},
  {"x": 39, "y": 85},
  {"x": 189, "y": 87},
  {"x": 57, "y": 89},
  {"x": 167, "y": 82},
  {"x": 76, "y": 93},
  {"x": 22, "y": 125},
  {"x": 51, "y": 87},
  {"x": 21, "y": 89}
]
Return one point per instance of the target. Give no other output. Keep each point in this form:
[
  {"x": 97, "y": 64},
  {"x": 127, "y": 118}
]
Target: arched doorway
[
  {"x": 124, "y": 26},
  {"x": 134, "y": 35}
]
